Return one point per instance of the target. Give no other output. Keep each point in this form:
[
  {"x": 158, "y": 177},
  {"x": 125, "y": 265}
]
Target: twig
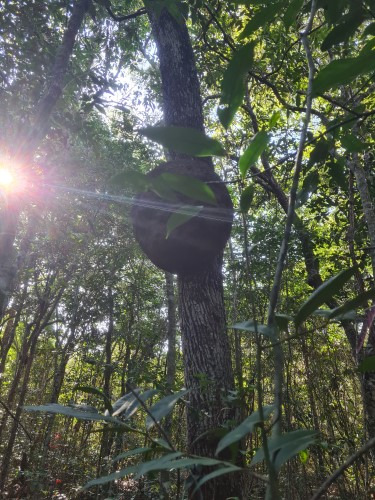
[
  {"x": 338, "y": 472},
  {"x": 278, "y": 351},
  {"x": 10, "y": 413}
]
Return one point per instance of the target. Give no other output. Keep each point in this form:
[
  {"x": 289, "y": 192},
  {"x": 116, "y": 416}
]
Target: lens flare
[{"x": 6, "y": 178}]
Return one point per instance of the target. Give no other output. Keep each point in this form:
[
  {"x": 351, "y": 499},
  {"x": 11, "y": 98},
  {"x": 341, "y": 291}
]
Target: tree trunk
[{"x": 206, "y": 350}]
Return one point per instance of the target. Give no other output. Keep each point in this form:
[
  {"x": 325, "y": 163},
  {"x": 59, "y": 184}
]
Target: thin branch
[
  {"x": 338, "y": 472},
  {"x": 11, "y": 414},
  {"x": 278, "y": 353},
  {"x": 119, "y": 19}
]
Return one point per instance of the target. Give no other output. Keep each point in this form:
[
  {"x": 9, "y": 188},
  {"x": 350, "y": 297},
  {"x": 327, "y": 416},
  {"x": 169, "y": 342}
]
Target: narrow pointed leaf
[
  {"x": 327, "y": 290},
  {"x": 253, "y": 152},
  {"x": 214, "y": 474},
  {"x": 254, "y": 327},
  {"x": 358, "y": 301},
  {"x": 79, "y": 411},
  {"x": 233, "y": 85},
  {"x": 245, "y": 427},
  {"x": 263, "y": 16},
  {"x": 287, "y": 446},
  {"x": 182, "y": 215},
  {"x": 342, "y": 72},
  {"x": 184, "y": 140},
  {"x": 163, "y": 407},
  {"x": 247, "y": 196},
  {"x": 131, "y": 453},
  {"x": 131, "y": 405}
]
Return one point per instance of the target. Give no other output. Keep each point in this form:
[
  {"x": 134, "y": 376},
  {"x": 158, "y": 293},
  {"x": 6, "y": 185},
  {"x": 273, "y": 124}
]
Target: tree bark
[{"x": 206, "y": 350}]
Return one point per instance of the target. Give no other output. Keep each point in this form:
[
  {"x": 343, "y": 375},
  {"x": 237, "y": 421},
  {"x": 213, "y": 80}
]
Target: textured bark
[{"x": 208, "y": 371}]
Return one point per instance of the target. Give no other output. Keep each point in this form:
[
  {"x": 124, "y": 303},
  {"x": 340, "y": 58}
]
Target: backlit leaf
[
  {"x": 182, "y": 215},
  {"x": 253, "y": 151},
  {"x": 163, "y": 407},
  {"x": 191, "y": 187},
  {"x": 184, "y": 140},
  {"x": 326, "y": 291},
  {"x": 233, "y": 85}
]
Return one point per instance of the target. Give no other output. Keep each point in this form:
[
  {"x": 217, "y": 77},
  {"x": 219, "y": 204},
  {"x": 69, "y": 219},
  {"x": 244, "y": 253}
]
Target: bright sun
[{"x": 6, "y": 178}]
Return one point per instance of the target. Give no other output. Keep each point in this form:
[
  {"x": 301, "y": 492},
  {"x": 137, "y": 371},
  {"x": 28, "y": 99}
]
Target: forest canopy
[{"x": 231, "y": 143}]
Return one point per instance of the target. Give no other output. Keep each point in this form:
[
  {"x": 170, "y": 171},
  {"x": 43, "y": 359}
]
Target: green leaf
[
  {"x": 184, "y": 140},
  {"x": 367, "y": 365},
  {"x": 134, "y": 180},
  {"x": 337, "y": 173},
  {"x": 82, "y": 412},
  {"x": 163, "y": 407},
  {"x": 343, "y": 31},
  {"x": 310, "y": 185},
  {"x": 131, "y": 453},
  {"x": 182, "y": 215},
  {"x": 191, "y": 187},
  {"x": 319, "y": 153},
  {"x": 342, "y": 72},
  {"x": 322, "y": 294},
  {"x": 326, "y": 313},
  {"x": 352, "y": 144},
  {"x": 96, "y": 392},
  {"x": 214, "y": 474},
  {"x": 254, "y": 327},
  {"x": 287, "y": 446},
  {"x": 282, "y": 321},
  {"x": 358, "y": 301},
  {"x": 245, "y": 427},
  {"x": 247, "y": 196},
  {"x": 263, "y": 16},
  {"x": 233, "y": 85},
  {"x": 253, "y": 151},
  {"x": 291, "y": 12},
  {"x": 162, "y": 189},
  {"x": 275, "y": 118},
  {"x": 132, "y": 403},
  {"x": 369, "y": 30},
  {"x": 156, "y": 464}
]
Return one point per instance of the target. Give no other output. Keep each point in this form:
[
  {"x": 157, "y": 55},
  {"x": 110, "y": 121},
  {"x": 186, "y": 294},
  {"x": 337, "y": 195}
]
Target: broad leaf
[
  {"x": 367, "y": 365},
  {"x": 245, "y": 427},
  {"x": 184, "y": 140},
  {"x": 342, "y": 72},
  {"x": 343, "y": 31},
  {"x": 191, "y": 187},
  {"x": 163, "y": 407},
  {"x": 254, "y": 327},
  {"x": 182, "y": 215},
  {"x": 134, "y": 180},
  {"x": 292, "y": 12},
  {"x": 253, "y": 151},
  {"x": 326, "y": 290},
  {"x": 287, "y": 446},
  {"x": 352, "y": 144},
  {"x": 263, "y": 16},
  {"x": 358, "y": 301},
  {"x": 233, "y": 85},
  {"x": 247, "y": 196}
]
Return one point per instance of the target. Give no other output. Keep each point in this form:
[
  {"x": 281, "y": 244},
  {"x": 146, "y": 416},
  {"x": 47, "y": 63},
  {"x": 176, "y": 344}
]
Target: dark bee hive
[{"x": 191, "y": 247}]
